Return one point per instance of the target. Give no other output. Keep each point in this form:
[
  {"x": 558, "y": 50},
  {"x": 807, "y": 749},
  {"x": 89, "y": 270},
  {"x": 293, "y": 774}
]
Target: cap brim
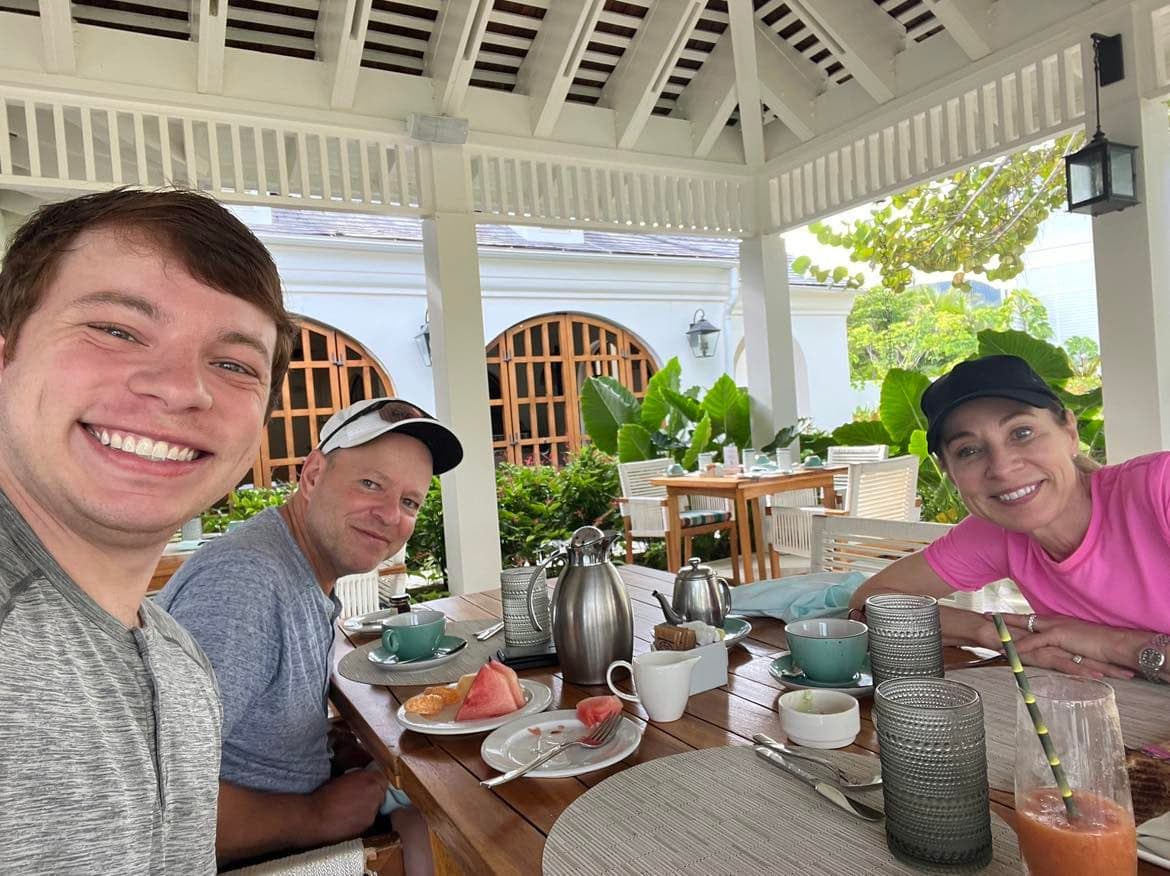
[
  {"x": 1029, "y": 397},
  {"x": 446, "y": 451}
]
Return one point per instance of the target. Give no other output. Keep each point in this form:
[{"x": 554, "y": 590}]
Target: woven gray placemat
[
  {"x": 356, "y": 666},
  {"x": 1142, "y": 706},
  {"x": 725, "y": 811}
]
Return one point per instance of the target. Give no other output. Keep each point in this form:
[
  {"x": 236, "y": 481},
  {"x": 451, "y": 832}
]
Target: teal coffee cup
[
  {"x": 413, "y": 634},
  {"x": 829, "y": 650}
]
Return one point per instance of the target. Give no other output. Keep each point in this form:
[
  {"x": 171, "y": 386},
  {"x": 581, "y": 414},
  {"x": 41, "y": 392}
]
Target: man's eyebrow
[
  {"x": 137, "y": 303},
  {"x": 246, "y": 340}
]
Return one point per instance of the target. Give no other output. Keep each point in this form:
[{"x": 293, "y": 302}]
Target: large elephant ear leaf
[
  {"x": 655, "y": 406},
  {"x": 861, "y": 432},
  {"x": 634, "y": 444},
  {"x": 699, "y": 440},
  {"x": 739, "y": 420},
  {"x": 684, "y": 404},
  {"x": 1050, "y": 362},
  {"x": 720, "y": 398},
  {"x": 606, "y": 406},
  {"x": 899, "y": 406}
]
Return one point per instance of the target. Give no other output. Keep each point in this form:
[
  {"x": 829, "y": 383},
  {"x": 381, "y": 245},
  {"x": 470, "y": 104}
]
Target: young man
[
  {"x": 142, "y": 337},
  {"x": 260, "y": 603}
]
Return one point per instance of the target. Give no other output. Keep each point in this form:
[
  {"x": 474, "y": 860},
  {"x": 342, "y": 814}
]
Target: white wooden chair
[
  {"x": 842, "y": 454},
  {"x": 858, "y": 544},
  {"x": 645, "y": 513},
  {"x": 886, "y": 489}
]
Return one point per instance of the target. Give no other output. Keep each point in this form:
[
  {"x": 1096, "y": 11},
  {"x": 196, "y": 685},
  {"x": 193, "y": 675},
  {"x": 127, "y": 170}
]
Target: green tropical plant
[
  {"x": 668, "y": 421},
  {"x": 244, "y": 503}
]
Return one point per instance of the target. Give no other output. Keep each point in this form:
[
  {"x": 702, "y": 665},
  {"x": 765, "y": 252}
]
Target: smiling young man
[
  {"x": 260, "y": 602},
  {"x": 142, "y": 335}
]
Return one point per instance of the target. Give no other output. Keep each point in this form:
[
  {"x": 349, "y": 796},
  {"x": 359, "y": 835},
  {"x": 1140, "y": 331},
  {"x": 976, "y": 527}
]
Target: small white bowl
[{"x": 819, "y": 718}]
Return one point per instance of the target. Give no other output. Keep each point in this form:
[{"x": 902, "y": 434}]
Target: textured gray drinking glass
[
  {"x": 518, "y": 629},
  {"x": 934, "y": 772},
  {"x": 905, "y": 638}
]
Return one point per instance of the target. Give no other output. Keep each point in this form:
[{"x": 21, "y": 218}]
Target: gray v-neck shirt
[
  {"x": 109, "y": 737},
  {"x": 252, "y": 602}
]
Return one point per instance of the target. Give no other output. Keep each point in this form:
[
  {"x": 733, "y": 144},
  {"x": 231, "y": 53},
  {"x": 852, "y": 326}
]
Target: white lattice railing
[
  {"x": 1025, "y": 105},
  {"x": 72, "y": 142},
  {"x": 508, "y": 188}
]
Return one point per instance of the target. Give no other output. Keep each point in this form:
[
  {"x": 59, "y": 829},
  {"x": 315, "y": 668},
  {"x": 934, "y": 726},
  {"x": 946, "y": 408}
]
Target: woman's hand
[{"x": 1054, "y": 641}]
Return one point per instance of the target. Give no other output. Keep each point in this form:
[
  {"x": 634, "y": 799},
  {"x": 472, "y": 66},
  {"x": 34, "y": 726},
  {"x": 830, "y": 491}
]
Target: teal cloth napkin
[{"x": 819, "y": 594}]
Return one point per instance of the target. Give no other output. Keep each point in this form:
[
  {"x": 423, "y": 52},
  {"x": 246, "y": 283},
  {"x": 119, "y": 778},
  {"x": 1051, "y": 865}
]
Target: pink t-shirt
[{"x": 1118, "y": 576}]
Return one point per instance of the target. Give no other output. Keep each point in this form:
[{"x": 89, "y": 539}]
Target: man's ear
[{"x": 311, "y": 471}]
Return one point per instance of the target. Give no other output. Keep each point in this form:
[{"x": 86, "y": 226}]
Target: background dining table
[
  {"x": 746, "y": 494},
  {"x": 476, "y": 831}
]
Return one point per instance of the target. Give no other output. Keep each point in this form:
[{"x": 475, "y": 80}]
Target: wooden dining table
[
  {"x": 477, "y": 831},
  {"x": 745, "y": 492}
]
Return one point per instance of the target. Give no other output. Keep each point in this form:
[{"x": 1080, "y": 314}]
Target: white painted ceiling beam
[
  {"x": 789, "y": 82},
  {"x": 57, "y": 36},
  {"x": 742, "y": 28},
  {"x": 861, "y": 36},
  {"x": 708, "y": 100},
  {"x": 968, "y": 22},
  {"x": 635, "y": 84},
  {"x": 209, "y": 30},
  {"x": 556, "y": 53},
  {"x": 454, "y": 45},
  {"x": 341, "y": 37}
]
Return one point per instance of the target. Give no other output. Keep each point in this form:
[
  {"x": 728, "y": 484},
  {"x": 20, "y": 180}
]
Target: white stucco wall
[{"x": 375, "y": 292}]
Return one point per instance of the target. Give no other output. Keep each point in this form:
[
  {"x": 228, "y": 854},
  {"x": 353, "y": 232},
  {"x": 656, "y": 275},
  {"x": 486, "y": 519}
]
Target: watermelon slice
[
  {"x": 594, "y": 710},
  {"x": 488, "y": 697},
  {"x": 513, "y": 681}
]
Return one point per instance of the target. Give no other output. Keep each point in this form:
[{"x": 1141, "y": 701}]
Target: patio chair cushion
[{"x": 703, "y": 517}]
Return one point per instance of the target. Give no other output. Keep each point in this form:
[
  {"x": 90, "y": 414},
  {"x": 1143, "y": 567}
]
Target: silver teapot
[
  {"x": 592, "y": 621},
  {"x": 699, "y": 594}
]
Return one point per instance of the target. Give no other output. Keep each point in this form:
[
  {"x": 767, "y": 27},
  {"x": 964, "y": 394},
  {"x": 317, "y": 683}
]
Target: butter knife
[
  {"x": 826, "y": 789},
  {"x": 486, "y": 633}
]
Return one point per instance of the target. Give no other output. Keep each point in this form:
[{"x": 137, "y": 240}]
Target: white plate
[
  {"x": 381, "y": 657},
  {"x": 522, "y": 740},
  {"x": 368, "y": 624},
  {"x": 1152, "y": 858},
  {"x": 443, "y": 723}
]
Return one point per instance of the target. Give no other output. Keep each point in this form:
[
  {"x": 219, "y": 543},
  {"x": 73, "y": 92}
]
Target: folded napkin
[
  {"x": 819, "y": 594},
  {"x": 1154, "y": 835}
]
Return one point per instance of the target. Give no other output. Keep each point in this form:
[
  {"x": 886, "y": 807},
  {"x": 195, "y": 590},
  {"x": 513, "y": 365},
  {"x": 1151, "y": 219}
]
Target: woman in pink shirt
[{"x": 1088, "y": 546}]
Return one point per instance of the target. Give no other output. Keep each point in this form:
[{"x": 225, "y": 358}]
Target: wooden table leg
[
  {"x": 745, "y": 536},
  {"x": 445, "y": 864},
  {"x": 829, "y": 495},
  {"x": 758, "y": 514},
  {"x": 673, "y": 533}
]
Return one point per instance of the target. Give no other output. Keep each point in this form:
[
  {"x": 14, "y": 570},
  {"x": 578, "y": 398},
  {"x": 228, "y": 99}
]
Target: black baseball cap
[
  {"x": 989, "y": 377},
  {"x": 369, "y": 419}
]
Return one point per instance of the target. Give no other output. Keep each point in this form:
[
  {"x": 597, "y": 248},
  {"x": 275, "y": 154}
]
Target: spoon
[
  {"x": 843, "y": 780},
  {"x": 439, "y": 652}
]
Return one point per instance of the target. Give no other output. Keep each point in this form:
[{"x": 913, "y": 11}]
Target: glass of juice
[{"x": 1081, "y": 717}]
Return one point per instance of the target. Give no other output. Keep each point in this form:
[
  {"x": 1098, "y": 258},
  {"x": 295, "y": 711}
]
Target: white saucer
[
  {"x": 381, "y": 657},
  {"x": 518, "y": 742},
  {"x": 538, "y": 697},
  {"x": 783, "y": 662}
]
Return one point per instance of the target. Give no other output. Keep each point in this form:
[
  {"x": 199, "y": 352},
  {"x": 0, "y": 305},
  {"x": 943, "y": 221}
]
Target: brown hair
[{"x": 214, "y": 247}]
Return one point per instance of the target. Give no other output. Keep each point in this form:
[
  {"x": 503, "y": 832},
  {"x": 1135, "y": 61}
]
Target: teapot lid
[{"x": 695, "y": 570}]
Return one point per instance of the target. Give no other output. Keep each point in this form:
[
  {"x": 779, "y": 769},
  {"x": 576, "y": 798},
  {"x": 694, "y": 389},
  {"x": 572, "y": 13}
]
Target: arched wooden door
[
  {"x": 328, "y": 371},
  {"x": 535, "y": 371}
]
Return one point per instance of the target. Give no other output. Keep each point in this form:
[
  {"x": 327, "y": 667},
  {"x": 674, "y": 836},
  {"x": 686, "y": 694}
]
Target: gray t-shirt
[
  {"x": 252, "y": 602},
  {"x": 109, "y": 737}
]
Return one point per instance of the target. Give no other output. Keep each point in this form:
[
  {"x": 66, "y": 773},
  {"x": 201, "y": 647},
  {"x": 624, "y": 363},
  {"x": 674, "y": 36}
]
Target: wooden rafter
[
  {"x": 548, "y": 70},
  {"x": 341, "y": 38},
  {"x": 209, "y": 30},
  {"x": 57, "y": 36},
  {"x": 453, "y": 50},
  {"x": 859, "y": 35},
  {"x": 968, "y": 22}
]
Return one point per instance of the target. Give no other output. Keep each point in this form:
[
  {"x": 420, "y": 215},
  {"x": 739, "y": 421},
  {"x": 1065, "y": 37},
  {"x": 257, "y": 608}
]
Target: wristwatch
[{"x": 1152, "y": 658}]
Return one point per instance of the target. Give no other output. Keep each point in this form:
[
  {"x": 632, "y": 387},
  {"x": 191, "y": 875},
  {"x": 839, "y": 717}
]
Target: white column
[
  {"x": 470, "y": 525},
  {"x": 767, "y": 321},
  {"x": 1132, "y": 257}
]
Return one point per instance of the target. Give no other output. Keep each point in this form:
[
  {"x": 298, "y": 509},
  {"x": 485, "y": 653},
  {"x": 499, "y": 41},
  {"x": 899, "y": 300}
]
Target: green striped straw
[{"x": 1037, "y": 719}]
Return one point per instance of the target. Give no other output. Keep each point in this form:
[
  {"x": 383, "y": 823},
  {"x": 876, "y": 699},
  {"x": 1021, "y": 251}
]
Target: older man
[
  {"x": 142, "y": 338},
  {"x": 260, "y": 602}
]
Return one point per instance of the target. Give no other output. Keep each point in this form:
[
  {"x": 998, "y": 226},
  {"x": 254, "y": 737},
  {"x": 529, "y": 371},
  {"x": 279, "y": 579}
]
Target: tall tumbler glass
[
  {"x": 518, "y": 629},
  {"x": 905, "y": 637},
  {"x": 1083, "y": 726},
  {"x": 934, "y": 772}
]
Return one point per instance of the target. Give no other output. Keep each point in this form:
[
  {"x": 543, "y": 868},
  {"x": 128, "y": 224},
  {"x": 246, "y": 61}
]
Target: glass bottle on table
[{"x": 1083, "y": 725}]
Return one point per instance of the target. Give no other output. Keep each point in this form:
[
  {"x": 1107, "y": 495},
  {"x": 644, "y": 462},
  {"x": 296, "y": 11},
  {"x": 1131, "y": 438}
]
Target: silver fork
[
  {"x": 842, "y": 779},
  {"x": 598, "y": 736}
]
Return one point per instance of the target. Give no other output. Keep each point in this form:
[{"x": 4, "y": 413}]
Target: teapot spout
[{"x": 672, "y": 616}]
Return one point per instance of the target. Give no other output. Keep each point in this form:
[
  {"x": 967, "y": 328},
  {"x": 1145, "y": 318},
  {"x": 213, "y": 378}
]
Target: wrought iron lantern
[
  {"x": 1102, "y": 177},
  {"x": 423, "y": 339},
  {"x": 702, "y": 336}
]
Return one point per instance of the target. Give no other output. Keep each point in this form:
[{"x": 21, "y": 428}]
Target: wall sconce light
[
  {"x": 1102, "y": 177},
  {"x": 702, "y": 336},
  {"x": 423, "y": 339}
]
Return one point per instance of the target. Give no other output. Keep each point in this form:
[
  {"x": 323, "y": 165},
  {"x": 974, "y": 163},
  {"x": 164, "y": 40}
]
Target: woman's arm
[{"x": 914, "y": 575}]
